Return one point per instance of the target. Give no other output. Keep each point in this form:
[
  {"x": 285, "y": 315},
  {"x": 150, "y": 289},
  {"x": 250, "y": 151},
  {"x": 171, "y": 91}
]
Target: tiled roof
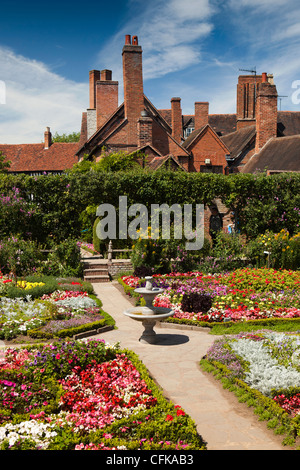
[
  {"x": 279, "y": 154},
  {"x": 238, "y": 140},
  {"x": 221, "y": 123},
  {"x": 288, "y": 123},
  {"x": 35, "y": 158}
]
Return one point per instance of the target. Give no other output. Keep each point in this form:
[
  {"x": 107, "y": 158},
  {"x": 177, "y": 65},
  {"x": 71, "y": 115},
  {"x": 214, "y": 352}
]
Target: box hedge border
[{"x": 266, "y": 408}]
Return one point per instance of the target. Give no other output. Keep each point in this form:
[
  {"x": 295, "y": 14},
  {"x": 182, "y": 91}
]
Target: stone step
[
  {"x": 95, "y": 271},
  {"x": 97, "y": 278},
  {"x": 95, "y": 265}
]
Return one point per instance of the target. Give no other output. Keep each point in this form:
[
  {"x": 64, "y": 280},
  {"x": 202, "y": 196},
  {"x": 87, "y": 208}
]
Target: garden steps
[{"x": 95, "y": 270}]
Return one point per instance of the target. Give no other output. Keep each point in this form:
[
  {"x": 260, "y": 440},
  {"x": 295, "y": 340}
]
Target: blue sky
[{"x": 192, "y": 49}]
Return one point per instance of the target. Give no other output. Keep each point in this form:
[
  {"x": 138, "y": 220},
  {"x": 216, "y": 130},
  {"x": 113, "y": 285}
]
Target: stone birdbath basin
[{"x": 148, "y": 314}]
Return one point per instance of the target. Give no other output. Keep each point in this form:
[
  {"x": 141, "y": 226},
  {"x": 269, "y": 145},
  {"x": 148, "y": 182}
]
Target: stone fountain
[{"x": 148, "y": 314}]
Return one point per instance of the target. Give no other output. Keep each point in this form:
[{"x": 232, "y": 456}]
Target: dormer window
[{"x": 188, "y": 130}]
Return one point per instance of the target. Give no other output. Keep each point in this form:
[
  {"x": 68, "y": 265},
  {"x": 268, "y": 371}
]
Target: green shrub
[
  {"x": 50, "y": 285},
  {"x": 284, "y": 250}
]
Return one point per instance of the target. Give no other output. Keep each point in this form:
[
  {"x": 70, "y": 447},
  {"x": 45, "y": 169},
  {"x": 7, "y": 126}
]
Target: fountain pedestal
[{"x": 148, "y": 314}]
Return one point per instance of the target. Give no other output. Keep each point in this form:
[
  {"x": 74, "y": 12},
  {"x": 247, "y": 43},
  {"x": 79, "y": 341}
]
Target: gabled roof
[
  {"x": 146, "y": 147},
  {"x": 279, "y": 154},
  {"x": 35, "y": 158},
  {"x": 157, "y": 162},
  {"x": 237, "y": 141},
  {"x": 112, "y": 124},
  {"x": 196, "y": 135}
]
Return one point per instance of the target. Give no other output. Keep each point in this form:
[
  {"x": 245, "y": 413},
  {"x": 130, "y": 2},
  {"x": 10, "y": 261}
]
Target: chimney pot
[
  {"x": 264, "y": 77},
  {"x": 128, "y": 39},
  {"x": 135, "y": 41}
]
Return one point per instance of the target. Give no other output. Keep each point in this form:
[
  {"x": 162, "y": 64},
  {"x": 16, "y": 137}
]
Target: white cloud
[
  {"x": 36, "y": 98},
  {"x": 170, "y": 33}
]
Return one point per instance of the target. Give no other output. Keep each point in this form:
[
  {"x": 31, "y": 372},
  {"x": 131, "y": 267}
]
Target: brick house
[
  {"x": 136, "y": 125},
  {"x": 202, "y": 142}
]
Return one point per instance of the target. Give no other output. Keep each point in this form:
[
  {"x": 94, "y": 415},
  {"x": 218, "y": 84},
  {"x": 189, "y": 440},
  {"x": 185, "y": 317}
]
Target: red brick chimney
[
  {"x": 133, "y": 84},
  {"x": 266, "y": 113},
  {"x": 201, "y": 114},
  {"x": 246, "y": 99},
  {"x": 48, "y": 138},
  {"x": 176, "y": 114},
  {"x": 106, "y": 97},
  {"x": 144, "y": 129},
  {"x": 94, "y": 76}
]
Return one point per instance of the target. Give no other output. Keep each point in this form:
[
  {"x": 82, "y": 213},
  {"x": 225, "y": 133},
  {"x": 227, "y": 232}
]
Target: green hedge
[
  {"x": 68, "y": 332},
  {"x": 260, "y": 202}
]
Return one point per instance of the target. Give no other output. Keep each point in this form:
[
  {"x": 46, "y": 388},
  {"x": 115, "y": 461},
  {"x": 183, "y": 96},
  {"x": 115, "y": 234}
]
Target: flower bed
[
  {"x": 243, "y": 295},
  {"x": 60, "y": 313},
  {"x": 86, "y": 395},
  {"x": 263, "y": 370}
]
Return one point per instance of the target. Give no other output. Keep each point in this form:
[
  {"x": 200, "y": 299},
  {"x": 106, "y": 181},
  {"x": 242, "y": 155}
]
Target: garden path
[{"x": 223, "y": 422}]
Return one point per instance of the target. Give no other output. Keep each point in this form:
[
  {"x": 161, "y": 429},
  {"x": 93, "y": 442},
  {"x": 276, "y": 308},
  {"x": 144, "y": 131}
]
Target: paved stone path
[{"x": 173, "y": 362}]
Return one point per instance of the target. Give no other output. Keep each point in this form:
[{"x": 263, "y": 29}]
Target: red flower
[{"x": 169, "y": 418}]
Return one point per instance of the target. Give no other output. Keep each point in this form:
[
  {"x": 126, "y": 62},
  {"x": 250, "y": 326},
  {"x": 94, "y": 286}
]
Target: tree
[
  {"x": 74, "y": 137},
  {"x": 4, "y": 164}
]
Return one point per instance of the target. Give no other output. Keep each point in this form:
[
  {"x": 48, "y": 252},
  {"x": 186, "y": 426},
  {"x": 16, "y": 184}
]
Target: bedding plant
[
  {"x": 243, "y": 295},
  {"x": 41, "y": 308},
  {"x": 86, "y": 395},
  {"x": 263, "y": 369}
]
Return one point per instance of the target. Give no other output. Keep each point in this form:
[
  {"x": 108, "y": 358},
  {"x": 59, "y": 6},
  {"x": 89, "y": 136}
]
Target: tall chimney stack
[
  {"x": 94, "y": 76},
  {"x": 106, "y": 97},
  {"x": 133, "y": 84},
  {"x": 176, "y": 119},
  {"x": 266, "y": 113}
]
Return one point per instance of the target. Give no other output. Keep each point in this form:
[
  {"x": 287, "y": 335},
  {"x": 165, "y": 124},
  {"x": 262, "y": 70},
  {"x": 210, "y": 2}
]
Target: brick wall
[{"x": 207, "y": 147}]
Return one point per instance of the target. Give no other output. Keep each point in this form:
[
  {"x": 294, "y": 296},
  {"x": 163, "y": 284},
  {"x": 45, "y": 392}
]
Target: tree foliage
[
  {"x": 73, "y": 137},
  {"x": 4, "y": 163}
]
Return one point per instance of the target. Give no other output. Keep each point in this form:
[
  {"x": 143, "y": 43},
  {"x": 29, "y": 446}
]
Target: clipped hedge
[
  {"x": 260, "y": 202},
  {"x": 68, "y": 332}
]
